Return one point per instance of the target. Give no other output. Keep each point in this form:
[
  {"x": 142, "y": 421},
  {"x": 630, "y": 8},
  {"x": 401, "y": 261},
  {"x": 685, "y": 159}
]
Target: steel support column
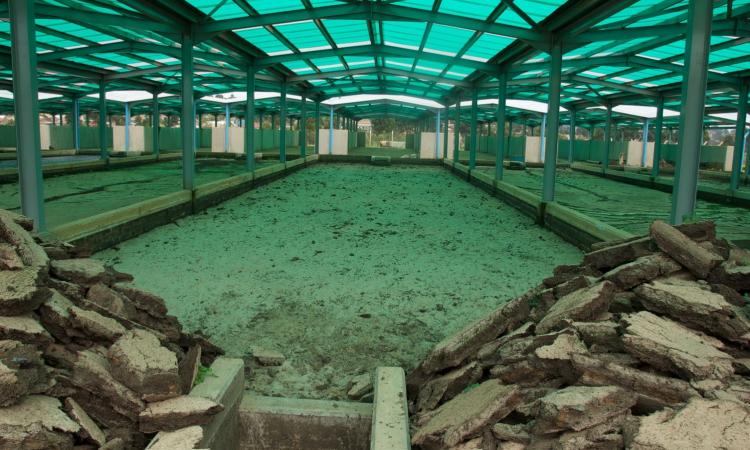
[
  {"x": 502, "y": 86},
  {"x": 250, "y": 118},
  {"x": 282, "y": 125},
  {"x": 26, "y": 109},
  {"x": 553, "y": 122},
  {"x": 303, "y": 128},
  {"x": 317, "y": 128},
  {"x": 155, "y": 122},
  {"x": 227, "y": 146},
  {"x": 607, "y": 139},
  {"x": 644, "y": 151},
  {"x": 127, "y": 127},
  {"x": 330, "y": 132},
  {"x": 187, "y": 120},
  {"x": 695, "y": 75},
  {"x": 103, "y": 154},
  {"x": 473, "y": 131},
  {"x": 658, "y": 125},
  {"x": 437, "y": 135},
  {"x": 445, "y": 133},
  {"x": 739, "y": 139},
  {"x": 572, "y": 149},
  {"x": 75, "y": 123},
  {"x": 457, "y": 129},
  {"x": 542, "y": 138}
]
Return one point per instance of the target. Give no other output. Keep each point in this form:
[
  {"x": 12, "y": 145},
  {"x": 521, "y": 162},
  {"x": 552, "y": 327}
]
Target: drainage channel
[{"x": 275, "y": 423}]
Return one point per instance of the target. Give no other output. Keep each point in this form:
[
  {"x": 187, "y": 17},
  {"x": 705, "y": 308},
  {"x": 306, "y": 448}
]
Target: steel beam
[
  {"x": 502, "y": 86},
  {"x": 473, "y": 131},
  {"x": 739, "y": 139},
  {"x": 693, "y": 101},
  {"x": 187, "y": 119},
  {"x": 250, "y": 118},
  {"x": 282, "y": 125},
  {"x": 26, "y": 108}
]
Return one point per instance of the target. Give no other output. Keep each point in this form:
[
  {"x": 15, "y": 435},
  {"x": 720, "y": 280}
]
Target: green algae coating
[
  {"x": 76, "y": 196},
  {"x": 342, "y": 268},
  {"x": 626, "y": 206}
]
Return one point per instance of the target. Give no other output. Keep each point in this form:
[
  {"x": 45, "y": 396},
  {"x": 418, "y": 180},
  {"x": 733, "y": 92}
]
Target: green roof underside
[{"x": 615, "y": 52}]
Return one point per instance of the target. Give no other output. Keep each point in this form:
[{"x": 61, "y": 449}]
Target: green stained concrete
[
  {"x": 342, "y": 268},
  {"x": 76, "y": 196},
  {"x": 383, "y": 151},
  {"x": 625, "y": 206}
]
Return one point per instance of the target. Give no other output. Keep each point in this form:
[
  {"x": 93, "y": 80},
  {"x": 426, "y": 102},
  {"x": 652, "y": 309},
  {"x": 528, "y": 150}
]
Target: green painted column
[
  {"x": 607, "y": 139},
  {"x": 445, "y": 132},
  {"x": 250, "y": 118},
  {"x": 739, "y": 139},
  {"x": 187, "y": 118},
  {"x": 317, "y": 128},
  {"x": 502, "y": 86},
  {"x": 473, "y": 130},
  {"x": 694, "y": 80},
  {"x": 457, "y": 129},
  {"x": 282, "y": 125},
  {"x": 103, "y": 154},
  {"x": 26, "y": 109},
  {"x": 303, "y": 128},
  {"x": 155, "y": 122},
  {"x": 572, "y": 135},
  {"x": 658, "y": 126},
  {"x": 75, "y": 122}
]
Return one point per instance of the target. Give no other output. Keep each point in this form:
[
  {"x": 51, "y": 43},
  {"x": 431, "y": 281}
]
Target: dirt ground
[{"x": 342, "y": 268}]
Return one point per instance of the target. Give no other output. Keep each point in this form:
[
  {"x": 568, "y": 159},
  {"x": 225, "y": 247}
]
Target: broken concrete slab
[
  {"x": 91, "y": 373},
  {"x": 22, "y": 291},
  {"x": 37, "y": 422},
  {"x": 514, "y": 433},
  {"x": 452, "y": 351},
  {"x": 581, "y": 305},
  {"x": 643, "y": 269},
  {"x": 618, "y": 254},
  {"x": 183, "y": 439},
  {"x": 188, "y": 368},
  {"x": 266, "y": 357},
  {"x": 700, "y": 424},
  {"x": 9, "y": 259},
  {"x": 22, "y": 371},
  {"x": 691, "y": 303},
  {"x": 359, "y": 386},
  {"x": 606, "y": 435},
  {"x": 562, "y": 349},
  {"x": 178, "y": 412},
  {"x": 55, "y": 315},
  {"x": 466, "y": 414},
  {"x": 31, "y": 253},
  {"x": 667, "y": 390},
  {"x": 96, "y": 325},
  {"x": 84, "y": 271},
  {"x": 143, "y": 300},
  {"x": 139, "y": 361},
  {"x": 446, "y": 387},
  {"x": 580, "y": 407},
  {"x": 684, "y": 250},
  {"x": 89, "y": 429},
  {"x": 111, "y": 300},
  {"x": 671, "y": 347},
  {"x": 26, "y": 329}
]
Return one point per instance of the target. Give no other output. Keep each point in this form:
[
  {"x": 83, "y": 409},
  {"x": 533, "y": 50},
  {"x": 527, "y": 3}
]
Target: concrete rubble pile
[
  {"x": 645, "y": 345},
  {"x": 87, "y": 360}
]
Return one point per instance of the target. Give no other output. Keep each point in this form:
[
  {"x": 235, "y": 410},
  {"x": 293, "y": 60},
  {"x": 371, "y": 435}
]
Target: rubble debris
[
  {"x": 266, "y": 357},
  {"x": 360, "y": 386},
  {"x": 184, "y": 438},
  {"x": 645, "y": 345},
  {"x": 176, "y": 413},
  {"x": 76, "y": 332}
]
